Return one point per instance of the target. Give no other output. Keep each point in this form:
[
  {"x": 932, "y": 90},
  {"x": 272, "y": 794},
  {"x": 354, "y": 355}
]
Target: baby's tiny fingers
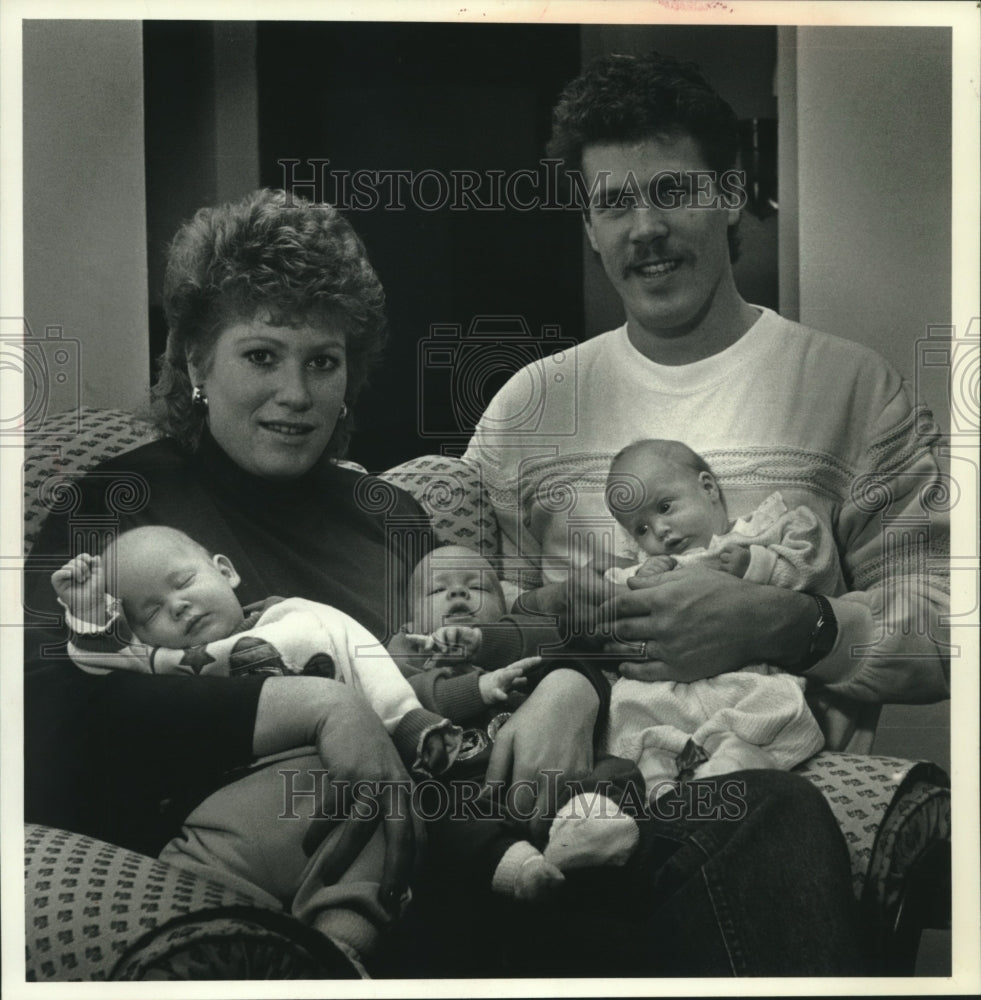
[{"x": 520, "y": 666}]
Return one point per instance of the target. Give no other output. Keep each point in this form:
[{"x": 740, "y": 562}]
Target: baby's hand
[
  {"x": 447, "y": 645},
  {"x": 734, "y": 559},
  {"x": 456, "y": 641},
  {"x": 437, "y": 750},
  {"x": 496, "y": 685},
  {"x": 81, "y": 586},
  {"x": 654, "y": 566}
]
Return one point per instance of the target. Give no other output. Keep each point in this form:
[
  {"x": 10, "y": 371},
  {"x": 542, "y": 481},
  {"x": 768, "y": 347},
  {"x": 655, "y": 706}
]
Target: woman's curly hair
[
  {"x": 292, "y": 261},
  {"x": 623, "y": 98}
]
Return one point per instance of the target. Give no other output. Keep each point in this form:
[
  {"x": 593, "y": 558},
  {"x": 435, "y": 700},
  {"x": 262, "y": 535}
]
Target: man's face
[{"x": 668, "y": 264}]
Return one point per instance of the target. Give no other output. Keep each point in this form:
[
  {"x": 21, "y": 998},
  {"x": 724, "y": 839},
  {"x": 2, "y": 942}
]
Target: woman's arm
[{"x": 352, "y": 743}]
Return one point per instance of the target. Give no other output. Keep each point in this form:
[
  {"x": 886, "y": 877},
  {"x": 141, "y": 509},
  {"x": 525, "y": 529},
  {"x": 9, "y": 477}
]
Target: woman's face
[{"x": 274, "y": 394}]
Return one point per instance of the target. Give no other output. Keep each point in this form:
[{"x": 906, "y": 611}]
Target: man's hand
[
  {"x": 695, "y": 622},
  {"x": 352, "y": 744},
  {"x": 575, "y": 601},
  {"x": 496, "y": 685},
  {"x": 81, "y": 586},
  {"x": 550, "y": 732}
]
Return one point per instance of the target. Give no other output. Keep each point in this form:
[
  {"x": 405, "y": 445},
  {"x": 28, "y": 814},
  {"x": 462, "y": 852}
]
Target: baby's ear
[
  {"x": 224, "y": 566},
  {"x": 708, "y": 483}
]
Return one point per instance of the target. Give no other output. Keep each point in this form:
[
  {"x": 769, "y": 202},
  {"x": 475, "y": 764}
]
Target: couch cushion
[
  {"x": 452, "y": 493},
  {"x": 73, "y": 443}
]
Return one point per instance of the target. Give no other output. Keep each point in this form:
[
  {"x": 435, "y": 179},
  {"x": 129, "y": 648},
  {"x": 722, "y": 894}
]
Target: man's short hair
[{"x": 623, "y": 99}]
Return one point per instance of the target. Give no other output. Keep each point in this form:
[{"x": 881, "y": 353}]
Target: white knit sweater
[{"x": 823, "y": 420}]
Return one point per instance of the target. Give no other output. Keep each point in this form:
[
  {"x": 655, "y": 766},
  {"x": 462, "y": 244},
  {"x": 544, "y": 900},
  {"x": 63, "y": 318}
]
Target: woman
[{"x": 275, "y": 317}]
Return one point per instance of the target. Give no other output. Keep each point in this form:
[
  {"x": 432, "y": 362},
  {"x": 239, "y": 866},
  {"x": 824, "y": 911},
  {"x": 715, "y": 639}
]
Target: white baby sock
[
  {"x": 524, "y": 874},
  {"x": 590, "y": 831}
]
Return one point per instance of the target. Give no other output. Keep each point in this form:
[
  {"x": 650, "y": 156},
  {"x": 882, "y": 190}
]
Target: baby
[
  {"x": 466, "y": 658},
  {"x": 172, "y": 609},
  {"x": 666, "y": 498}
]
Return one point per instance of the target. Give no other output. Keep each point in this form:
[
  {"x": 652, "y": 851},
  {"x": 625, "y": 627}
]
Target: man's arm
[
  {"x": 890, "y": 645},
  {"x": 894, "y": 533}
]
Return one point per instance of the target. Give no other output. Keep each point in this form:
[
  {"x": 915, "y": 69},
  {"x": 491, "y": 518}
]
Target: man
[{"x": 771, "y": 406}]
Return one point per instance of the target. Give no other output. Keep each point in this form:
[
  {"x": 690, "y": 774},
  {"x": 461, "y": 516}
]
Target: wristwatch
[{"x": 823, "y": 637}]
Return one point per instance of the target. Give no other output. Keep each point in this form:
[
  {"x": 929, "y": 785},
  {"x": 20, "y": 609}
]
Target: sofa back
[{"x": 73, "y": 443}]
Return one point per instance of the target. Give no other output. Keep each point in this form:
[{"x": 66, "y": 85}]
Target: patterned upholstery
[
  {"x": 71, "y": 443},
  {"x": 891, "y": 811},
  {"x": 450, "y": 490},
  {"x": 96, "y": 912},
  {"x": 860, "y": 790}
]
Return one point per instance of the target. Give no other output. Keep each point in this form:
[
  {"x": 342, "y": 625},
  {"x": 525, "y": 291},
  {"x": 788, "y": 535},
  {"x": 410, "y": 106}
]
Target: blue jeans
[{"x": 742, "y": 875}]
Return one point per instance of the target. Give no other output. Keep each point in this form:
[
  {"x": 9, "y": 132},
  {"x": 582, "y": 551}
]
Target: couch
[{"x": 95, "y": 911}]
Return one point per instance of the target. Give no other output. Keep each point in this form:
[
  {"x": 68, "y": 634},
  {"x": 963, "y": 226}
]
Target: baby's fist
[
  {"x": 656, "y": 565},
  {"x": 734, "y": 559},
  {"x": 81, "y": 586}
]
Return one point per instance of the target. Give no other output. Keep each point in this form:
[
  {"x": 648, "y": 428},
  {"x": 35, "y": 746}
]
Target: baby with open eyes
[{"x": 665, "y": 496}]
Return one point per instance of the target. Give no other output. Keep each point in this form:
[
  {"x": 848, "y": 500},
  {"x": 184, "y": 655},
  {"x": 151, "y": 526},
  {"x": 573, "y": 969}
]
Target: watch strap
[{"x": 823, "y": 636}]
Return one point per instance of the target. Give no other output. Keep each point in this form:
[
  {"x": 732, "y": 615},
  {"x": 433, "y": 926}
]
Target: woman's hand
[
  {"x": 353, "y": 745},
  {"x": 548, "y": 740},
  {"x": 697, "y": 622}
]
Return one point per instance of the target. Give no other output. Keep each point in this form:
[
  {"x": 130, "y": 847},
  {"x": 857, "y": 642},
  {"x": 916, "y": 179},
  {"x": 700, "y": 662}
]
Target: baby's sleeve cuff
[
  {"x": 81, "y": 627},
  {"x": 413, "y": 729},
  {"x": 762, "y": 562}
]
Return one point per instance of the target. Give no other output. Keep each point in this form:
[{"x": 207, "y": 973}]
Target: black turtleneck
[{"x": 99, "y": 750}]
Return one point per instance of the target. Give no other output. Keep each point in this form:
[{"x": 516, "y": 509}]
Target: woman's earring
[
  {"x": 343, "y": 413},
  {"x": 198, "y": 398}
]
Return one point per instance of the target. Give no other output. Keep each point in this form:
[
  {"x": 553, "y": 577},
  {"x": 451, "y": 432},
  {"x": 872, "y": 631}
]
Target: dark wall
[
  {"x": 438, "y": 97},
  {"x": 423, "y": 97},
  {"x": 179, "y": 99}
]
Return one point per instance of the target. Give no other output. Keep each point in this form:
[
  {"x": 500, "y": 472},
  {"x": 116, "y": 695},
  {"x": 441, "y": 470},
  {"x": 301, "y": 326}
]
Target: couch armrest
[
  {"x": 908, "y": 886},
  {"x": 96, "y": 911},
  {"x": 233, "y": 942},
  {"x": 895, "y": 815}
]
